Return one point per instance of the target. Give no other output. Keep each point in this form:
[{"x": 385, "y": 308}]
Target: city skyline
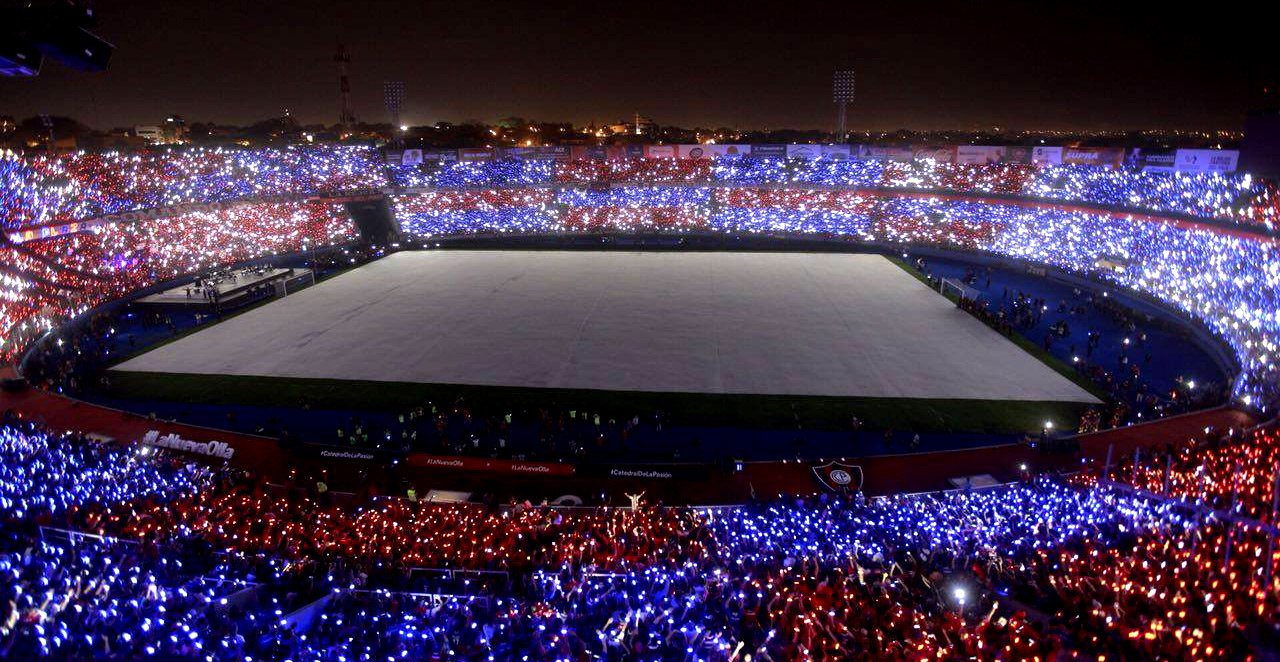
[{"x": 1011, "y": 65}]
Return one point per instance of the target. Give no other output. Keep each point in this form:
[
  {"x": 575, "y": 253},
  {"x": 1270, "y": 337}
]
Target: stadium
[{"x": 773, "y": 402}]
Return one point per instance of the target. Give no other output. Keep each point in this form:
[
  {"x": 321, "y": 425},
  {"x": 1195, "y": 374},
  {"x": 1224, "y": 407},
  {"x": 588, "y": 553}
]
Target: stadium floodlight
[
  {"x": 842, "y": 90},
  {"x": 843, "y": 86},
  {"x": 393, "y": 99}
]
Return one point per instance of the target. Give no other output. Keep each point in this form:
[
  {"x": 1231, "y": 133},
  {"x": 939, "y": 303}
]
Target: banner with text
[
  {"x": 1206, "y": 160},
  {"x": 937, "y": 154},
  {"x": 660, "y": 151},
  {"x": 453, "y": 463},
  {"x": 769, "y": 151},
  {"x": 1095, "y": 156},
  {"x": 1046, "y": 155},
  {"x": 475, "y": 154},
  {"x": 804, "y": 151},
  {"x": 712, "y": 151}
]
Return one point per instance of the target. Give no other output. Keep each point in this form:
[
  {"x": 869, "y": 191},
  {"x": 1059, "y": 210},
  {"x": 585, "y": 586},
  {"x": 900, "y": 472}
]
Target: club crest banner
[{"x": 838, "y": 476}]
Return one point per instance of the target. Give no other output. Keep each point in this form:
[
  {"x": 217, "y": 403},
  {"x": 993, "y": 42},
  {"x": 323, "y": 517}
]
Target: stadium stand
[
  {"x": 175, "y": 560},
  {"x": 131, "y": 551}
]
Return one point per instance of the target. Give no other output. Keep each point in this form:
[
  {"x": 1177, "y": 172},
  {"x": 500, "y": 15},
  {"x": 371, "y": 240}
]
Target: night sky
[{"x": 962, "y": 65}]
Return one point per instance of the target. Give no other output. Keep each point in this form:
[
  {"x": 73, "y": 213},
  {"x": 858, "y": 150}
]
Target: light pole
[{"x": 842, "y": 87}]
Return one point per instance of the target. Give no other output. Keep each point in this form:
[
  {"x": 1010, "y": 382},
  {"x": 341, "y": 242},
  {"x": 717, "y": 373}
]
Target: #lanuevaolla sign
[{"x": 172, "y": 441}]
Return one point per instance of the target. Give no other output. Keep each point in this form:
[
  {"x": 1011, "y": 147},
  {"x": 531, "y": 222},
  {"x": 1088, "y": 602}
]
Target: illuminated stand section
[
  {"x": 1225, "y": 279},
  {"x": 48, "y": 281},
  {"x": 830, "y": 578},
  {"x": 83, "y": 228}
]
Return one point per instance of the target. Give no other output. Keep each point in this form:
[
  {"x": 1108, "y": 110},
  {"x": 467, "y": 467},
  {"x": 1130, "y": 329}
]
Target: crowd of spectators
[
  {"x": 176, "y": 561},
  {"x": 43, "y": 189},
  {"x": 1232, "y": 197},
  {"x": 1229, "y": 283},
  {"x": 1229, "y": 471},
  {"x": 1223, "y": 279},
  {"x": 128, "y": 552},
  {"x": 542, "y": 433},
  {"x": 45, "y": 282}
]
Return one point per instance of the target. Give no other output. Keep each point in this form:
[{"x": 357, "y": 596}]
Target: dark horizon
[{"x": 1008, "y": 65}]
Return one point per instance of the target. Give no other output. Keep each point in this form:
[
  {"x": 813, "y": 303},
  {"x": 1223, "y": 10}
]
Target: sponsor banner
[
  {"x": 769, "y": 151},
  {"x": 475, "y": 154},
  {"x": 554, "y": 152},
  {"x": 985, "y": 154},
  {"x": 173, "y": 442},
  {"x": 625, "y": 152},
  {"x": 804, "y": 151},
  {"x": 837, "y": 152},
  {"x": 1206, "y": 160},
  {"x": 1094, "y": 156},
  {"x": 880, "y": 153},
  {"x": 712, "y": 151},
  {"x": 838, "y": 476},
  {"x": 978, "y": 154},
  {"x": 1152, "y": 160},
  {"x": 515, "y": 153},
  {"x": 411, "y": 157},
  {"x": 937, "y": 154},
  {"x": 549, "y": 153},
  {"x": 440, "y": 155},
  {"x": 660, "y": 151},
  {"x": 646, "y": 472},
  {"x": 1017, "y": 154},
  {"x": 694, "y": 152},
  {"x": 1046, "y": 155},
  {"x": 455, "y": 463},
  {"x": 588, "y": 153}
]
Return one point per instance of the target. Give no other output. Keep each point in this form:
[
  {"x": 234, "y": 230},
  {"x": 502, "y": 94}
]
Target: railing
[{"x": 77, "y": 537}]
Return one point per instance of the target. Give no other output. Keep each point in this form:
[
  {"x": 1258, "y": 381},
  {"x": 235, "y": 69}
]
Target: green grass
[{"x": 763, "y": 411}]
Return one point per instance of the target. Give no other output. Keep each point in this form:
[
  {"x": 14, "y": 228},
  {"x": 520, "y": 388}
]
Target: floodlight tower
[
  {"x": 345, "y": 117},
  {"x": 393, "y": 99},
  {"x": 842, "y": 94}
]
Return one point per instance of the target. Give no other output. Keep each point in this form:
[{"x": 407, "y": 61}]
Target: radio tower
[{"x": 346, "y": 118}]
